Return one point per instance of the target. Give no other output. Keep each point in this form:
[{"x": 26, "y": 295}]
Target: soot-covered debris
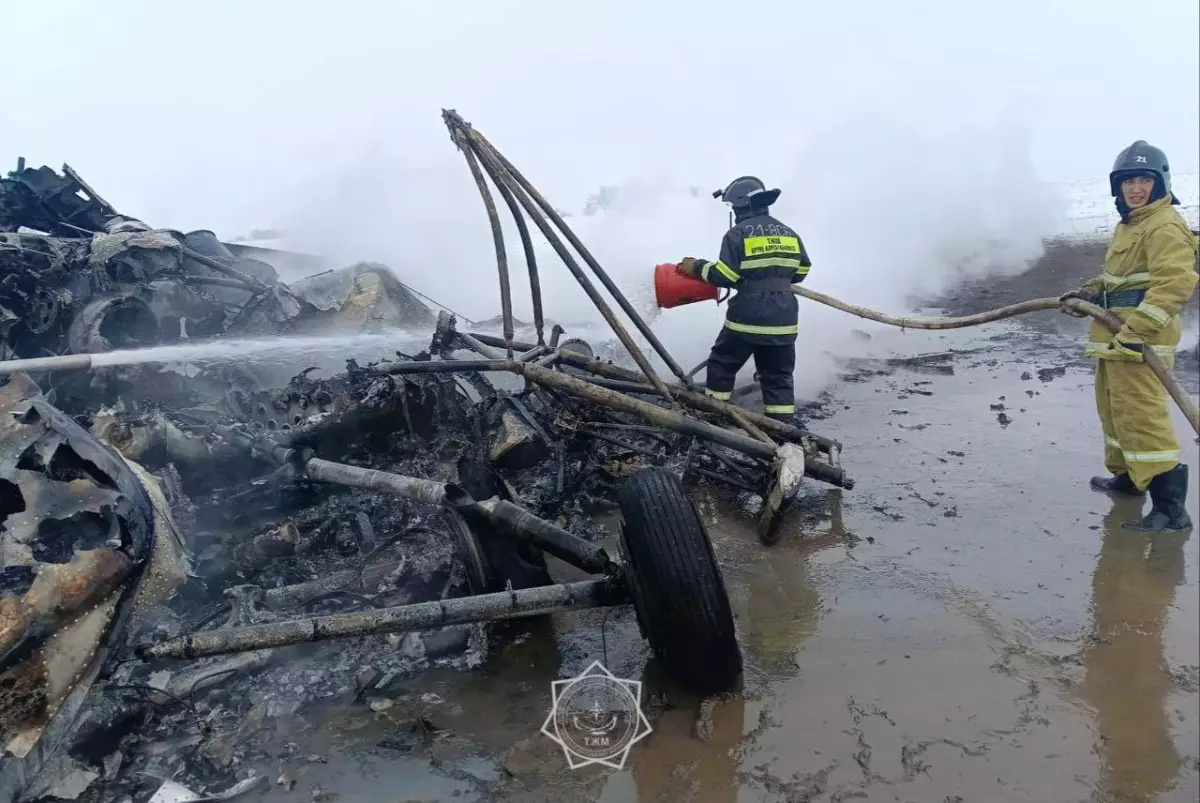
[
  {"x": 259, "y": 544},
  {"x": 159, "y": 522},
  {"x": 241, "y": 541},
  {"x": 78, "y": 277},
  {"x": 145, "y": 504}
]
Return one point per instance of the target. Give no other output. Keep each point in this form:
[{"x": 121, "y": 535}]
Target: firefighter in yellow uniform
[{"x": 1149, "y": 274}]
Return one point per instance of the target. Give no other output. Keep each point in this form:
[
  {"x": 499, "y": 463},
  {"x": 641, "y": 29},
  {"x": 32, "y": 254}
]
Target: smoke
[{"x": 891, "y": 212}]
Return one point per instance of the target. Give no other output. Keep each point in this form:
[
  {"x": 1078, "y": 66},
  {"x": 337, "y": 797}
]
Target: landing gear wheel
[
  {"x": 678, "y": 593},
  {"x": 478, "y": 573},
  {"x": 521, "y": 564},
  {"x": 493, "y": 560}
]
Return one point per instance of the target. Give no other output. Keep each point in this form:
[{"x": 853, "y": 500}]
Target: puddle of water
[{"x": 371, "y": 780}]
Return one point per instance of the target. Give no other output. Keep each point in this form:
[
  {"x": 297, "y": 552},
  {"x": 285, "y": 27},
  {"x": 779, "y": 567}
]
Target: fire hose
[{"x": 1110, "y": 321}]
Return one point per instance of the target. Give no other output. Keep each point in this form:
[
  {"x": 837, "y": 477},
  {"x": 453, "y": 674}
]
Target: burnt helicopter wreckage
[
  {"x": 159, "y": 547},
  {"x": 77, "y": 277}
]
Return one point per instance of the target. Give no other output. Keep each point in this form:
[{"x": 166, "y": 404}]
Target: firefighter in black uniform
[{"x": 761, "y": 259}]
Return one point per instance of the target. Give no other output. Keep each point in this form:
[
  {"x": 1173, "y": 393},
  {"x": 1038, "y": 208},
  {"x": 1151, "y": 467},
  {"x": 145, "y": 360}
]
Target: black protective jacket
[{"x": 760, "y": 259}]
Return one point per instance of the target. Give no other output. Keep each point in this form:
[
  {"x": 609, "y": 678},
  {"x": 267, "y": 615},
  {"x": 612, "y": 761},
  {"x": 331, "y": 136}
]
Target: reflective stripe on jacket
[
  {"x": 1154, "y": 252},
  {"x": 760, "y": 259}
]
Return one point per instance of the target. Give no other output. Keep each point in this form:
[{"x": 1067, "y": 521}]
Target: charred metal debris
[{"x": 170, "y": 540}]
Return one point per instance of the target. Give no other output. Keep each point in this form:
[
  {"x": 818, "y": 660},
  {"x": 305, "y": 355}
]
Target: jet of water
[{"x": 270, "y": 350}]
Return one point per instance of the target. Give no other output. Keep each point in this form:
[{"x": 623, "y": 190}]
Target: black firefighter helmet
[
  {"x": 1141, "y": 159},
  {"x": 747, "y": 191}
]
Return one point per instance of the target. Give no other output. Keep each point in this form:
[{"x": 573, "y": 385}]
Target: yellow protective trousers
[{"x": 1139, "y": 438}]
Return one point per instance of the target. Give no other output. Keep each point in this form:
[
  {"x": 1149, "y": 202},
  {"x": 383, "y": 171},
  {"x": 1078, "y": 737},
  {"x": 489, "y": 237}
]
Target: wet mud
[
  {"x": 1066, "y": 264},
  {"x": 971, "y": 623}
]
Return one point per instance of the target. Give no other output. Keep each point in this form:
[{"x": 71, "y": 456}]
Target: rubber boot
[
  {"x": 1118, "y": 483},
  {"x": 1168, "y": 492},
  {"x": 791, "y": 419}
]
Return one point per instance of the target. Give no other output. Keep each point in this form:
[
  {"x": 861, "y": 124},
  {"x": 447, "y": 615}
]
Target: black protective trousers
[{"x": 775, "y": 364}]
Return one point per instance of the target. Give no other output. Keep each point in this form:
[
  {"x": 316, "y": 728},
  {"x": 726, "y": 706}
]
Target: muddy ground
[
  {"x": 969, "y": 624},
  {"x": 1066, "y": 264}
]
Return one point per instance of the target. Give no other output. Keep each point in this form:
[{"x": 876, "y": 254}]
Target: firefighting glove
[
  {"x": 1123, "y": 351},
  {"x": 690, "y": 267},
  {"x": 1083, "y": 294}
]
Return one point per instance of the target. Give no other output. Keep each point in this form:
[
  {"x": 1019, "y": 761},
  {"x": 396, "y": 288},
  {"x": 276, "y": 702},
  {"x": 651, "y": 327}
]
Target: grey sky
[{"x": 206, "y": 114}]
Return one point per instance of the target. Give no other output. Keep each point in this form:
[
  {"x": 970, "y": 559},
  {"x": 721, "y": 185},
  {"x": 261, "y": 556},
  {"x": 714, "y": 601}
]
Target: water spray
[{"x": 212, "y": 351}]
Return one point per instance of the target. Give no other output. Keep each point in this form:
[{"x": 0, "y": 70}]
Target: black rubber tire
[
  {"x": 522, "y": 565},
  {"x": 490, "y": 557},
  {"x": 678, "y": 592},
  {"x": 475, "y": 565}
]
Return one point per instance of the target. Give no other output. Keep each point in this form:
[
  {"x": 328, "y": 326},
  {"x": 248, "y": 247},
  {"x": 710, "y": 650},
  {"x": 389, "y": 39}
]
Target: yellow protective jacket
[{"x": 1154, "y": 252}]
